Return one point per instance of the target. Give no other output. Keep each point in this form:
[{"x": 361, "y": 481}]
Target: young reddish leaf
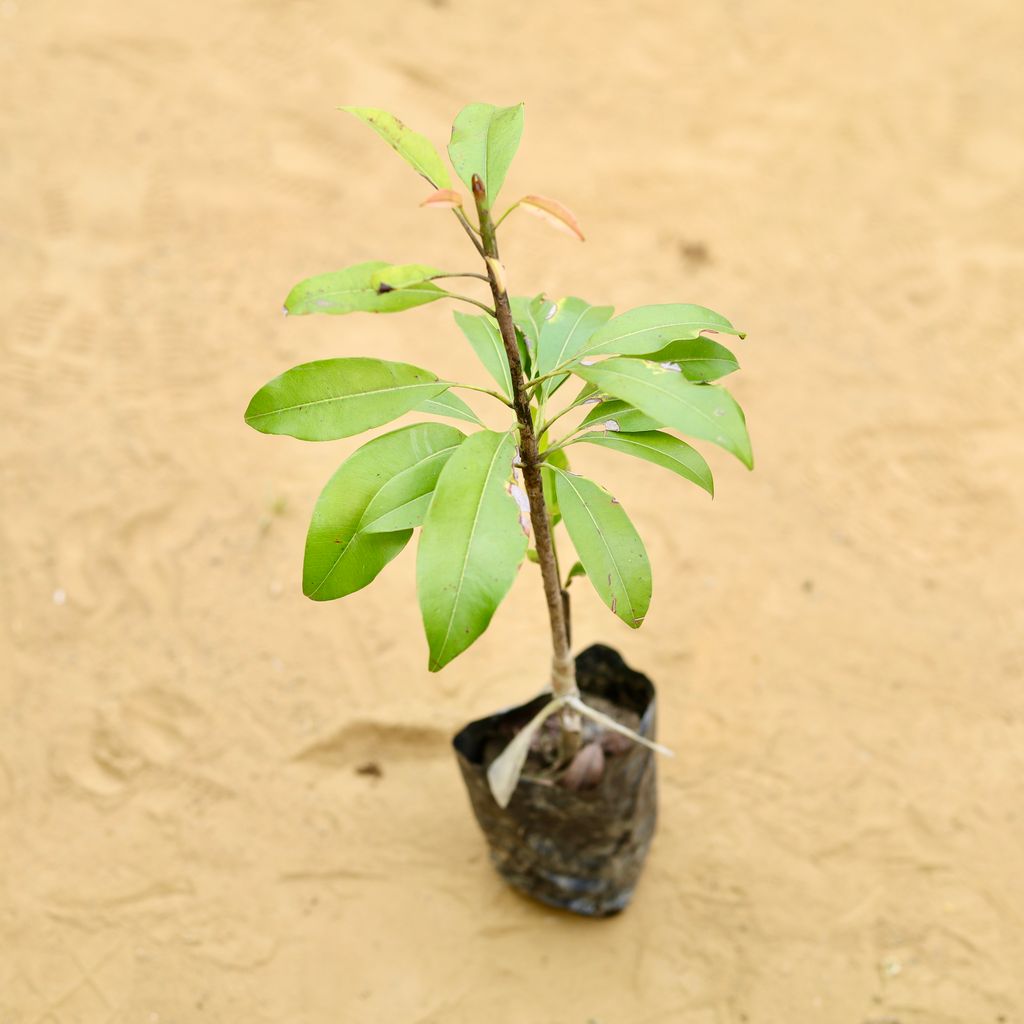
[
  {"x": 552, "y": 211},
  {"x": 443, "y": 199}
]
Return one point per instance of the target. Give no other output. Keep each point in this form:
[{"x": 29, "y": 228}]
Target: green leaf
[
  {"x": 563, "y": 334},
  {"x": 700, "y": 359},
  {"x": 402, "y": 501},
  {"x": 662, "y": 449},
  {"x": 402, "y": 275},
  {"x": 620, "y": 416},
  {"x": 483, "y": 334},
  {"x": 529, "y": 315},
  {"x": 340, "y": 556},
  {"x": 484, "y": 141},
  {"x": 332, "y": 398},
  {"x": 525, "y": 313},
  {"x": 449, "y": 404},
  {"x": 576, "y": 570},
  {"x": 415, "y": 149},
  {"x": 608, "y": 545},
  {"x": 471, "y": 546},
  {"x": 699, "y": 410},
  {"x": 560, "y": 460},
  {"x": 649, "y": 328},
  {"x": 353, "y": 290},
  {"x": 586, "y": 393}
]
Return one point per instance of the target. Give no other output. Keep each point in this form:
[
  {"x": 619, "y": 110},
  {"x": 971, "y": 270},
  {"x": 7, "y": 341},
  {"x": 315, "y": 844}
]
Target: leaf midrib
[
  {"x": 364, "y": 525},
  {"x": 338, "y": 398},
  {"x": 469, "y": 544},
  {"x": 669, "y": 394},
  {"x": 499, "y": 348},
  {"x": 565, "y": 342},
  {"x": 416, "y": 286},
  {"x": 627, "y": 438},
  {"x": 660, "y": 327}
]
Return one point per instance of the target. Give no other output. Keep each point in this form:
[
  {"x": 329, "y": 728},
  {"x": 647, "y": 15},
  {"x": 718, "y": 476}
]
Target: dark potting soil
[
  {"x": 546, "y": 763},
  {"x": 578, "y": 846}
]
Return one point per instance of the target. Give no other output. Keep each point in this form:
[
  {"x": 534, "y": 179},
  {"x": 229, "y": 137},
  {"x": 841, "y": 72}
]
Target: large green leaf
[
  {"x": 608, "y": 546},
  {"x": 662, "y": 449},
  {"x": 563, "y": 334},
  {"x": 700, "y": 359},
  {"x": 471, "y": 546},
  {"x": 484, "y": 141},
  {"x": 649, "y": 328},
  {"x": 341, "y": 556},
  {"x": 620, "y": 416},
  {"x": 483, "y": 334},
  {"x": 416, "y": 149},
  {"x": 699, "y": 410},
  {"x": 332, "y": 398},
  {"x": 354, "y": 290},
  {"x": 449, "y": 404},
  {"x": 402, "y": 501}
]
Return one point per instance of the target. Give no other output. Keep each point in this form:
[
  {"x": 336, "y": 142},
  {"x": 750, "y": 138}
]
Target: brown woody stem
[{"x": 563, "y": 671}]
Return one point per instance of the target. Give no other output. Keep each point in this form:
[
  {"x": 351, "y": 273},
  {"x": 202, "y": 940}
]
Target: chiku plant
[{"x": 476, "y": 498}]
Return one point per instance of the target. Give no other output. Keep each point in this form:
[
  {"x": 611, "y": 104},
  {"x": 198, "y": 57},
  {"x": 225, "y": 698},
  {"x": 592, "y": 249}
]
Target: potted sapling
[{"x": 564, "y": 785}]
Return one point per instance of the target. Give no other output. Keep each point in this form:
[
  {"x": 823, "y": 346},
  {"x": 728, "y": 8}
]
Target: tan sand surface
[{"x": 837, "y": 637}]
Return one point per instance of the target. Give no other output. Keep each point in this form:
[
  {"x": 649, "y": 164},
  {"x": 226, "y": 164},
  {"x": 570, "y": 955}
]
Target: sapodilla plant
[{"x": 479, "y": 496}]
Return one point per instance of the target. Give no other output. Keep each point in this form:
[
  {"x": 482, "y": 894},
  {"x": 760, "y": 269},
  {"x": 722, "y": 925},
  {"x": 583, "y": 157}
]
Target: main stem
[{"x": 563, "y": 671}]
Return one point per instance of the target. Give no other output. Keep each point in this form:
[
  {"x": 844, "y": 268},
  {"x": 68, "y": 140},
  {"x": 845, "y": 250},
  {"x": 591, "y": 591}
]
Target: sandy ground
[{"x": 183, "y": 834}]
